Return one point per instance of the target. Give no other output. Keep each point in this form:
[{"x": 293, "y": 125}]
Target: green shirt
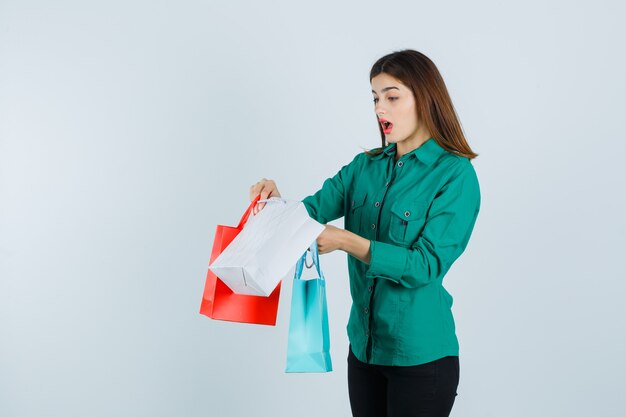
[{"x": 418, "y": 213}]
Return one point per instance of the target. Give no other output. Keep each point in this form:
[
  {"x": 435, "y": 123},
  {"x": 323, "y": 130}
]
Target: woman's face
[{"x": 395, "y": 104}]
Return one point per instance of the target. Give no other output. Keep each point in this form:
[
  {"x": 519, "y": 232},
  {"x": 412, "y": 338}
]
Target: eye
[{"x": 389, "y": 98}]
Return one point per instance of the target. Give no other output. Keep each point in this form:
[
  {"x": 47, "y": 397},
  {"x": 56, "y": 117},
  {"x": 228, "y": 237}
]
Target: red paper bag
[{"x": 220, "y": 303}]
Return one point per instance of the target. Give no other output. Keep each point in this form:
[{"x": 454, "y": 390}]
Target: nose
[{"x": 379, "y": 110}]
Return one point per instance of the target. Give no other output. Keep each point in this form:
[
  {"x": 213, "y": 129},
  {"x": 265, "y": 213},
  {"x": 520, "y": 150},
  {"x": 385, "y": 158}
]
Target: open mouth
[{"x": 387, "y": 126}]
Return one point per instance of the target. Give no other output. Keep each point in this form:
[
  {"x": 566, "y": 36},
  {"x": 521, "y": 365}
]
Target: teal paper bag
[{"x": 308, "y": 343}]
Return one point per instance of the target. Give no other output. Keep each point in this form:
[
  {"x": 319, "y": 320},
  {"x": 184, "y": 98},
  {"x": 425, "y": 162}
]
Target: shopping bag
[
  {"x": 308, "y": 342},
  {"x": 220, "y": 303},
  {"x": 267, "y": 248}
]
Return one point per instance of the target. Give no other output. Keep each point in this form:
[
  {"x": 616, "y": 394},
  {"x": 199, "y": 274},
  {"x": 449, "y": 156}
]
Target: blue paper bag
[{"x": 308, "y": 343}]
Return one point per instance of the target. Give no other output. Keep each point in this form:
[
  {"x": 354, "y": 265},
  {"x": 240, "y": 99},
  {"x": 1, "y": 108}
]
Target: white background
[{"x": 130, "y": 129}]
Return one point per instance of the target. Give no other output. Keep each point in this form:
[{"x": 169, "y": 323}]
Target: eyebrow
[{"x": 385, "y": 89}]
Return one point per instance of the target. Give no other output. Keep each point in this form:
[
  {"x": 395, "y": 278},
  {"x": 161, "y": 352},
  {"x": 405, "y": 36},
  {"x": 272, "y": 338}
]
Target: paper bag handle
[
  {"x": 316, "y": 261},
  {"x": 245, "y": 216}
]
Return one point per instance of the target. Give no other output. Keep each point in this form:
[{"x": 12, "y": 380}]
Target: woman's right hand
[{"x": 267, "y": 188}]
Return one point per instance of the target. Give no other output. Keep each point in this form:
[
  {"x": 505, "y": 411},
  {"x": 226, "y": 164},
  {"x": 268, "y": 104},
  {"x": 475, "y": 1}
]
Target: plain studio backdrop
[{"x": 130, "y": 129}]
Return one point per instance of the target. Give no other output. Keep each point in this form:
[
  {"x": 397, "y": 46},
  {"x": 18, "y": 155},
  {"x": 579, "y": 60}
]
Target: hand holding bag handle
[{"x": 315, "y": 259}]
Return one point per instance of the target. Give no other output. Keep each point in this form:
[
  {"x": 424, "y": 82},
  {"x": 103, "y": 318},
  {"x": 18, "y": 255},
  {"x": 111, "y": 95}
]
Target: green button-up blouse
[{"x": 418, "y": 213}]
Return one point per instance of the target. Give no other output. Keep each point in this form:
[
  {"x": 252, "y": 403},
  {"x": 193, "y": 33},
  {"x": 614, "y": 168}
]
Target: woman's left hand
[{"x": 329, "y": 240}]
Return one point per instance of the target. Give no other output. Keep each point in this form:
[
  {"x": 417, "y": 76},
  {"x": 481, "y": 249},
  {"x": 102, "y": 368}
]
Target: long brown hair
[{"x": 434, "y": 106}]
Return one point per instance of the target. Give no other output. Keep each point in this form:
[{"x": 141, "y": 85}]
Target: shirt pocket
[
  {"x": 355, "y": 211},
  {"x": 407, "y": 221}
]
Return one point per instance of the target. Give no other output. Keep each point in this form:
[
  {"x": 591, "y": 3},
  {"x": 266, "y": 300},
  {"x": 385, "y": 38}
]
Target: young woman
[{"x": 410, "y": 207}]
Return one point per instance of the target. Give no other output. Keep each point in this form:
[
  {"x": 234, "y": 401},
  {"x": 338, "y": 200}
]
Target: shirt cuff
[{"x": 386, "y": 261}]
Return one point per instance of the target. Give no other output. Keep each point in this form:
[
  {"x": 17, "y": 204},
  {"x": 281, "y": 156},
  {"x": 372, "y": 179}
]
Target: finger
[
  {"x": 254, "y": 191},
  {"x": 257, "y": 187}
]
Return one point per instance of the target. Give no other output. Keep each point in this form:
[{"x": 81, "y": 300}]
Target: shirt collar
[{"x": 428, "y": 152}]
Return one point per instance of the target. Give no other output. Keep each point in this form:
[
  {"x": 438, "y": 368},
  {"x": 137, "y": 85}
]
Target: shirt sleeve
[
  {"x": 328, "y": 203},
  {"x": 447, "y": 230}
]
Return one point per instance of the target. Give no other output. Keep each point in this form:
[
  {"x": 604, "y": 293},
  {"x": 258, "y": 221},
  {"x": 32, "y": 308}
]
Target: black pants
[{"x": 426, "y": 390}]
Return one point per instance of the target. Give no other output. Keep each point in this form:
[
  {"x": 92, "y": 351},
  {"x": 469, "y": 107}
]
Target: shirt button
[
  {"x": 370, "y": 288},
  {"x": 377, "y": 204},
  {"x": 407, "y": 213},
  {"x": 367, "y": 333},
  {"x": 352, "y": 203},
  {"x": 400, "y": 163},
  {"x": 366, "y": 310},
  {"x": 373, "y": 226},
  {"x": 387, "y": 184}
]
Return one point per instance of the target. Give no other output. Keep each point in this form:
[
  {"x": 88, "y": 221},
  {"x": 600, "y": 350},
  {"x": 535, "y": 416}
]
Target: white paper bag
[{"x": 269, "y": 245}]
